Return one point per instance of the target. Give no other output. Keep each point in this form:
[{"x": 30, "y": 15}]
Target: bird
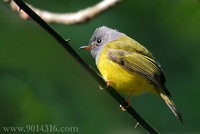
[{"x": 128, "y": 66}]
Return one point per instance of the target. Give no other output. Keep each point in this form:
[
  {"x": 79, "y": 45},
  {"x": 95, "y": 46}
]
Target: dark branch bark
[{"x": 90, "y": 70}]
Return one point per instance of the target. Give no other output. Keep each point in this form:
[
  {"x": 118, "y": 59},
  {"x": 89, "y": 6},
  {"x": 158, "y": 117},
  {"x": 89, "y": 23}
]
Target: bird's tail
[{"x": 172, "y": 106}]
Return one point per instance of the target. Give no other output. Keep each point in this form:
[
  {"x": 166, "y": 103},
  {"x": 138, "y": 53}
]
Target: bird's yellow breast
[{"x": 122, "y": 80}]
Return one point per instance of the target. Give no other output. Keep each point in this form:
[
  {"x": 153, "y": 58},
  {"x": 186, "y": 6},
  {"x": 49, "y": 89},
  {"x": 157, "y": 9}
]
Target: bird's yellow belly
[{"x": 122, "y": 80}]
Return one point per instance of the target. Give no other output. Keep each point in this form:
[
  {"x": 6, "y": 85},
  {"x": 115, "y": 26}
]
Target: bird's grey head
[{"x": 100, "y": 38}]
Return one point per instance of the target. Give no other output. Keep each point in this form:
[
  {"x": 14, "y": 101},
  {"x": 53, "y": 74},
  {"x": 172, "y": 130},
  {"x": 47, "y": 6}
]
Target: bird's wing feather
[{"x": 140, "y": 64}]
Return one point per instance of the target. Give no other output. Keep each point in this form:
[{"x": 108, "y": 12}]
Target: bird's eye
[{"x": 98, "y": 40}]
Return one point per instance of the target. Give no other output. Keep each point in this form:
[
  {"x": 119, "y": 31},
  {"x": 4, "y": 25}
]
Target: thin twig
[
  {"x": 90, "y": 70},
  {"x": 69, "y": 18}
]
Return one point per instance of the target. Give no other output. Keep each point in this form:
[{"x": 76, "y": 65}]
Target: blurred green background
[{"x": 40, "y": 83}]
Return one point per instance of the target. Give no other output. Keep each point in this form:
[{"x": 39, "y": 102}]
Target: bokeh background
[{"x": 40, "y": 83}]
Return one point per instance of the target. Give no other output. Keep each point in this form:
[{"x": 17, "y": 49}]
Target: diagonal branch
[
  {"x": 69, "y": 18},
  {"x": 90, "y": 70}
]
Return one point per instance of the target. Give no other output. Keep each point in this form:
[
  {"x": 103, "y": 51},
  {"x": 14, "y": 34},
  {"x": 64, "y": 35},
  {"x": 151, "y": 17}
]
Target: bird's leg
[
  {"x": 107, "y": 81},
  {"x": 128, "y": 101}
]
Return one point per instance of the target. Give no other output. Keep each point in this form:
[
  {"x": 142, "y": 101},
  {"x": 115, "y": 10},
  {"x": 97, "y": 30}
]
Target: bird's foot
[
  {"x": 124, "y": 108},
  {"x": 108, "y": 82}
]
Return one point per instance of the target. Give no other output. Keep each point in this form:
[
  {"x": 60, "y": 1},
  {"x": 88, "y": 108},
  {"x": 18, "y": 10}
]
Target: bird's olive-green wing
[{"x": 139, "y": 63}]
